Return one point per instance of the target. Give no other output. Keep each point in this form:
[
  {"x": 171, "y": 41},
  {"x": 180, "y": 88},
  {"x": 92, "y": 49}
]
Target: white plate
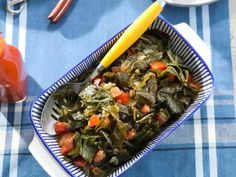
[{"x": 189, "y": 2}]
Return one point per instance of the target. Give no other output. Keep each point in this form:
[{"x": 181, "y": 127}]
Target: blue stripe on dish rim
[{"x": 37, "y": 105}]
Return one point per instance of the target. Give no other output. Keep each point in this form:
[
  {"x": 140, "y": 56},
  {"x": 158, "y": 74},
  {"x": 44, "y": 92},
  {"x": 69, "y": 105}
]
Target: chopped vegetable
[
  {"x": 145, "y": 109},
  {"x": 61, "y": 127},
  {"x": 79, "y": 161},
  {"x": 162, "y": 116},
  {"x": 130, "y": 134},
  {"x": 170, "y": 76},
  {"x": 99, "y": 156},
  {"x": 122, "y": 79},
  {"x": 66, "y": 142},
  {"x": 124, "y": 98},
  {"x": 116, "y": 115},
  {"x": 84, "y": 146},
  {"x": 94, "y": 120},
  {"x": 140, "y": 82},
  {"x": 159, "y": 65},
  {"x": 145, "y": 97}
]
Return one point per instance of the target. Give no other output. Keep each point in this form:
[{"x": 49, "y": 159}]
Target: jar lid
[{"x": 2, "y": 45}]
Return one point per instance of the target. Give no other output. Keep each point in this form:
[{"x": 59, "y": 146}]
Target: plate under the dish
[
  {"x": 178, "y": 44},
  {"x": 45, "y": 159},
  {"x": 189, "y": 2}
]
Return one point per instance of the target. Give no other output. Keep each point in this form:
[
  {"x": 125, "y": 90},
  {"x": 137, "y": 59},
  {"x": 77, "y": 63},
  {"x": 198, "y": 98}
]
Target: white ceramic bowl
[
  {"x": 189, "y": 2},
  {"x": 183, "y": 41}
]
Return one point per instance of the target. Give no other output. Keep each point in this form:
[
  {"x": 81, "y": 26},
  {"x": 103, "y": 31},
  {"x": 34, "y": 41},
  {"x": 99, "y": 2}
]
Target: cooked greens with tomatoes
[{"x": 125, "y": 107}]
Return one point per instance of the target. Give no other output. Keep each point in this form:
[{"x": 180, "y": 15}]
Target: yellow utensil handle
[{"x": 133, "y": 32}]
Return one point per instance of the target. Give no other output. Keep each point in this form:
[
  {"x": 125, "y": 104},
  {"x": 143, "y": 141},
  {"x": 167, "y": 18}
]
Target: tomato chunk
[
  {"x": 80, "y": 162},
  {"x": 159, "y": 65},
  {"x": 130, "y": 134},
  {"x": 66, "y": 142},
  {"x": 162, "y": 116},
  {"x": 99, "y": 156},
  {"x": 61, "y": 127},
  {"x": 170, "y": 76},
  {"x": 145, "y": 109},
  {"x": 94, "y": 120},
  {"x": 124, "y": 98}
]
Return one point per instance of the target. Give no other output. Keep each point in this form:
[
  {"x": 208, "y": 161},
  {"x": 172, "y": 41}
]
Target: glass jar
[{"x": 13, "y": 76}]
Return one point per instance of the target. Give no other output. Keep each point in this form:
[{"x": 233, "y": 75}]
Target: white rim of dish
[{"x": 189, "y": 3}]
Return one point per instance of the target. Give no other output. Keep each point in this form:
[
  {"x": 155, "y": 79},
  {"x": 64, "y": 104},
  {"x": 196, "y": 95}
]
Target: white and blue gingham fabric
[{"x": 205, "y": 146}]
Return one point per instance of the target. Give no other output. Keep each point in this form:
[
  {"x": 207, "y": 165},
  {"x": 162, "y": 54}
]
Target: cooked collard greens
[{"x": 129, "y": 104}]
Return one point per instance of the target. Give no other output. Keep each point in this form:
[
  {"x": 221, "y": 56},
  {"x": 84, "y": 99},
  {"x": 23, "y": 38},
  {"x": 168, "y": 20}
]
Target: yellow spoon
[{"x": 130, "y": 36}]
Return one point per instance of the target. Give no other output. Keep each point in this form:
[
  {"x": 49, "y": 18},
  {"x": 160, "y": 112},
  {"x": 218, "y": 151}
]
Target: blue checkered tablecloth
[{"x": 204, "y": 146}]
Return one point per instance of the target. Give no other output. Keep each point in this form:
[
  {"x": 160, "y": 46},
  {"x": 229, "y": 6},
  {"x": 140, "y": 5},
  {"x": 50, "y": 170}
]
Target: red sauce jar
[{"x": 13, "y": 76}]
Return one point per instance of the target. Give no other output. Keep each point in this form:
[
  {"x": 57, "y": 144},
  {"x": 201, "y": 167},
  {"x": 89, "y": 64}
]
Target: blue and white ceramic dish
[{"x": 179, "y": 44}]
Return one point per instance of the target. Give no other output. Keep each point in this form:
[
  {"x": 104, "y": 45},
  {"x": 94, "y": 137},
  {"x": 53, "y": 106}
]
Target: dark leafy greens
[{"x": 114, "y": 117}]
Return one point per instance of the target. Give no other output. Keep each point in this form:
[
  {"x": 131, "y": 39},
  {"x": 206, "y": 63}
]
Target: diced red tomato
[
  {"x": 65, "y": 150},
  {"x": 161, "y": 118},
  {"x": 130, "y": 134},
  {"x": 124, "y": 98},
  {"x": 145, "y": 109},
  {"x": 99, "y": 156},
  {"x": 61, "y": 127},
  {"x": 120, "y": 96},
  {"x": 170, "y": 76},
  {"x": 115, "y": 92},
  {"x": 66, "y": 142},
  {"x": 159, "y": 65},
  {"x": 94, "y": 120},
  {"x": 63, "y": 137},
  {"x": 80, "y": 162}
]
